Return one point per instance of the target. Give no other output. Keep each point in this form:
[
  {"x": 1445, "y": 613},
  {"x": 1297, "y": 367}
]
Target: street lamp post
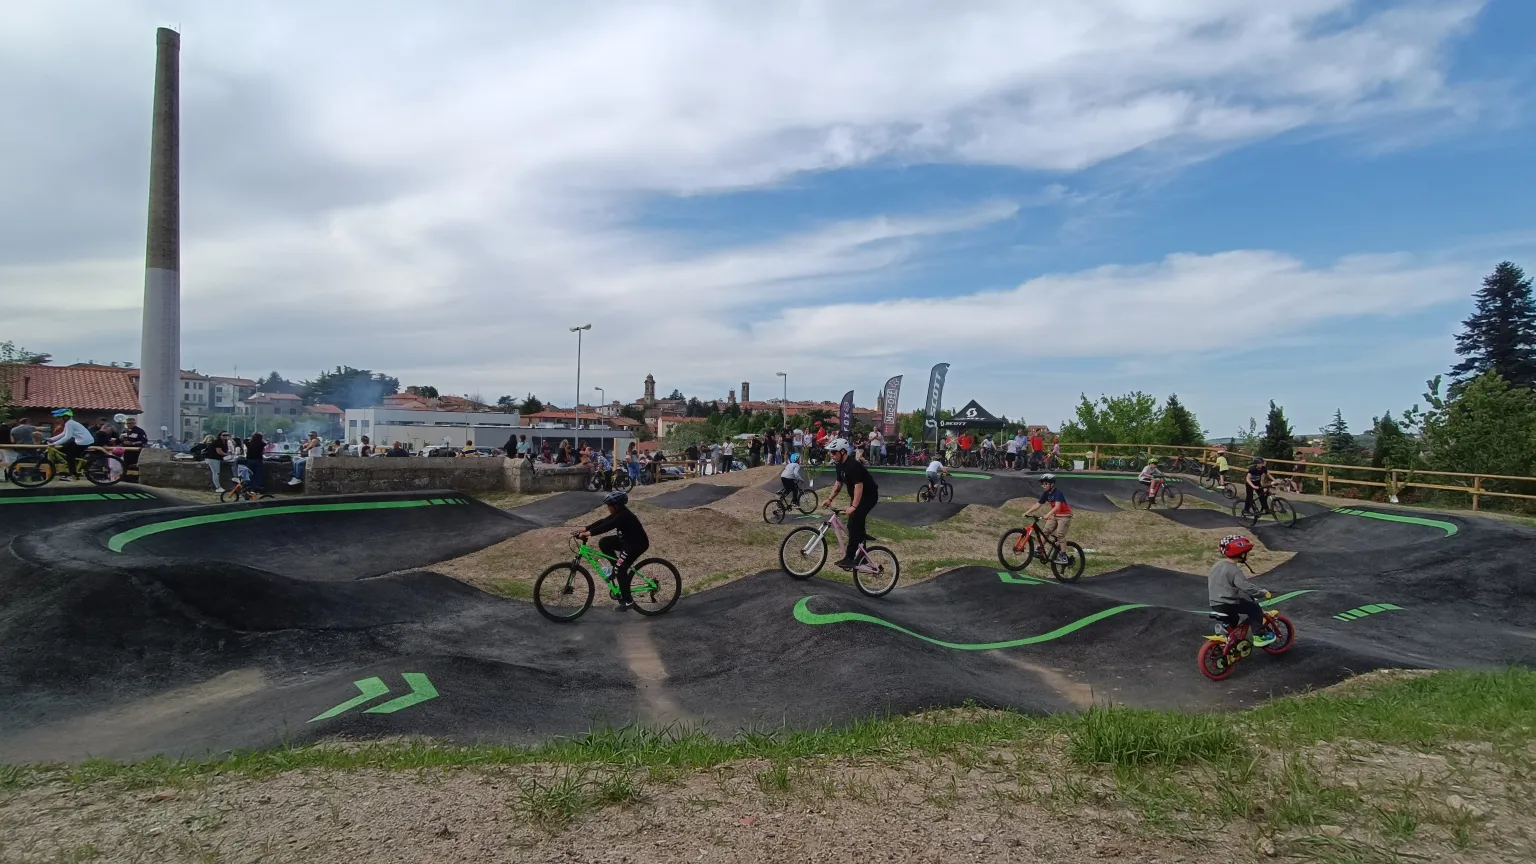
[
  {"x": 601, "y": 400},
  {"x": 578, "y": 331},
  {"x": 784, "y": 405}
]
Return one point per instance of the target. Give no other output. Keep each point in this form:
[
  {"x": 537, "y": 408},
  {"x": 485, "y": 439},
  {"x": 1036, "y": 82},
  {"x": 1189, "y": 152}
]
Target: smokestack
[
  {"x": 160, "y": 348},
  {"x": 746, "y": 390}
]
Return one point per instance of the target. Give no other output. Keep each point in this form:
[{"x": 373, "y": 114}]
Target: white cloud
[{"x": 485, "y": 158}]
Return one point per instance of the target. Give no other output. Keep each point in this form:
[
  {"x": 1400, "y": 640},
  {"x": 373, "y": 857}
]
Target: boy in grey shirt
[{"x": 1232, "y": 595}]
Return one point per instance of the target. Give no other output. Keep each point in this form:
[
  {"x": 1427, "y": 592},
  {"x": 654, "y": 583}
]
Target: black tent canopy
[{"x": 972, "y": 416}]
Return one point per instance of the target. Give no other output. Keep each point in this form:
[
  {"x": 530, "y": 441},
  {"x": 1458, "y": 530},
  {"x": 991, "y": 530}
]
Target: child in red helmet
[{"x": 1232, "y": 595}]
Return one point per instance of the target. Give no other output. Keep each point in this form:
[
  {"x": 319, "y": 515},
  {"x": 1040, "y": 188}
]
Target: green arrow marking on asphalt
[
  {"x": 421, "y": 691},
  {"x": 1448, "y": 527},
  {"x": 370, "y": 689},
  {"x": 1369, "y": 609}
]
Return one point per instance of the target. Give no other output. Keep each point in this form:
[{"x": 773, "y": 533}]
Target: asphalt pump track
[{"x": 171, "y": 632}]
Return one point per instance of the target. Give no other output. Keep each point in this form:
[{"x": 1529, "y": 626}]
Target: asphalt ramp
[
  {"x": 559, "y": 508},
  {"x": 24, "y": 510},
  {"x": 692, "y": 495},
  {"x": 322, "y": 538}
]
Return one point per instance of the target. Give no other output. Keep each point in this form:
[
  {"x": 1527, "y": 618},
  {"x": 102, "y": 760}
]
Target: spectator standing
[
  {"x": 398, "y": 449},
  {"x": 255, "y": 460},
  {"x": 214, "y": 454},
  {"x": 798, "y": 442},
  {"x": 692, "y": 455},
  {"x": 133, "y": 435},
  {"x": 755, "y": 452},
  {"x": 727, "y": 456}
]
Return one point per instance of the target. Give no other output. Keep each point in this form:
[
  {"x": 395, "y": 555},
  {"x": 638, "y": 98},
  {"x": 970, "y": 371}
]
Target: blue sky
[{"x": 1231, "y": 201}]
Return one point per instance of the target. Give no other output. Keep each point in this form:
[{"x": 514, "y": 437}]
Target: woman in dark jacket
[{"x": 255, "y": 450}]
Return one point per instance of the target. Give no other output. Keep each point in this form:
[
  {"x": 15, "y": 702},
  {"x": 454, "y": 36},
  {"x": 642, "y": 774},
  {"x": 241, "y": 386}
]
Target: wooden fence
[{"x": 1328, "y": 478}]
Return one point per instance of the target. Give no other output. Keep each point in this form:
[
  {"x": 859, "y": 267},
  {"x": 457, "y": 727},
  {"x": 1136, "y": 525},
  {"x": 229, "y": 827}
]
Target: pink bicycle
[{"x": 803, "y": 553}]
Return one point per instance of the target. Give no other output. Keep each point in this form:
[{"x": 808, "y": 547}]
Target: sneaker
[
  {"x": 1264, "y": 640},
  {"x": 621, "y": 606},
  {"x": 844, "y": 563},
  {"x": 1061, "y": 558},
  {"x": 295, "y": 481}
]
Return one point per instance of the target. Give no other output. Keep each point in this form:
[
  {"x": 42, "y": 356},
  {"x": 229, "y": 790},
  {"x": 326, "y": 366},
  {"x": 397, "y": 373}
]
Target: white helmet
[
  {"x": 119, "y": 418},
  {"x": 839, "y": 445}
]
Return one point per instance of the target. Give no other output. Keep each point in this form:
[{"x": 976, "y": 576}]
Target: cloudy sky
[{"x": 1230, "y": 200}]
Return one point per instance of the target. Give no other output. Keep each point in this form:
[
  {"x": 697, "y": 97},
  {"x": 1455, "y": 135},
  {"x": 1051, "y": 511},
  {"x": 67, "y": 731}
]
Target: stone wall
[
  {"x": 157, "y": 468},
  {"x": 350, "y": 474}
]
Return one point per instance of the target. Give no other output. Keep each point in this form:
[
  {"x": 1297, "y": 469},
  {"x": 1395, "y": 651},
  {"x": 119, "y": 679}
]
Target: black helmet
[{"x": 616, "y": 499}]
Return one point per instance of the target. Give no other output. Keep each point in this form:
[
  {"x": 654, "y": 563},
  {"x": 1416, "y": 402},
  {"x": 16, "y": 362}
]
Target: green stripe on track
[
  {"x": 118, "y": 541},
  {"x": 1447, "y": 527}
]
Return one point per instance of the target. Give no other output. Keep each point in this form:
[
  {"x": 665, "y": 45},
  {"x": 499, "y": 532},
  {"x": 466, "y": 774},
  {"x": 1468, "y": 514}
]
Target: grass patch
[
  {"x": 1131, "y": 738},
  {"x": 555, "y": 802},
  {"x": 890, "y": 531},
  {"x": 1445, "y": 706},
  {"x": 517, "y": 589}
]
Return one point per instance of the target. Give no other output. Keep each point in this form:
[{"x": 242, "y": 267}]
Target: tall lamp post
[
  {"x": 602, "y": 399},
  {"x": 784, "y": 406},
  {"x": 578, "y": 331}
]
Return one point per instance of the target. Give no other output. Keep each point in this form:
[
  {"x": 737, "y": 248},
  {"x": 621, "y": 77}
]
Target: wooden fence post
[
  {"x": 1477, "y": 486},
  {"x": 1325, "y": 479},
  {"x": 1095, "y": 465}
]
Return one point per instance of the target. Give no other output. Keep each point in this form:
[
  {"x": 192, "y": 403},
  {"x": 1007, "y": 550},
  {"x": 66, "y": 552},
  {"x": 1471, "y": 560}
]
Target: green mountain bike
[{"x": 563, "y": 592}]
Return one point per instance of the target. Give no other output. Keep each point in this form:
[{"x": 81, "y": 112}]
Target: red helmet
[{"x": 1235, "y": 546}]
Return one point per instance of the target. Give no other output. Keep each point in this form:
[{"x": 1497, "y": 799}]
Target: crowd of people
[{"x": 122, "y": 435}]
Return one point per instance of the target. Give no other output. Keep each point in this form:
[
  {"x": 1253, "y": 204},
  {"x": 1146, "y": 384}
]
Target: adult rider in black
[
  {"x": 861, "y": 488},
  {"x": 1257, "y": 482},
  {"x": 627, "y": 545}
]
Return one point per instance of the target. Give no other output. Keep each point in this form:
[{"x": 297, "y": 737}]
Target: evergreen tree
[
  {"x": 1179, "y": 427},
  {"x": 1501, "y": 334},
  {"x": 1393, "y": 447},
  {"x": 675, "y": 394},
  {"x": 1278, "y": 441},
  {"x": 275, "y": 383},
  {"x": 531, "y": 405},
  {"x": 1337, "y": 440},
  {"x": 349, "y": 388}
]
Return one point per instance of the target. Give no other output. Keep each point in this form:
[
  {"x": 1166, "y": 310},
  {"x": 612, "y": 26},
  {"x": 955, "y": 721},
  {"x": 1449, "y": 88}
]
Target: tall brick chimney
[{"x": 746, "y": 390}]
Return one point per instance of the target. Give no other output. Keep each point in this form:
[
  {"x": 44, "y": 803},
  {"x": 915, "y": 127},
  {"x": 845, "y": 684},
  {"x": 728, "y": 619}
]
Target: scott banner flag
[
  {"x": 845, "y": 415},
  {"x": 935, "y": 395},
  {"x": 892, "y": 393}
]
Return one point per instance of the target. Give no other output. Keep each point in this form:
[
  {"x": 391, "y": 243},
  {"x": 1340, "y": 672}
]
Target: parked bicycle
[
  {"x": 242, "y": 490},
  {"x": 1160, "y": 489},
  {"x": 803, "y": 553},
  {"x": 1212, "y": 479},
  {"x": 563, "y": 592},
  {"x": 35, "y": 468},
  {"x": 803, "y": 500},
  {"x": 1066, "y": 559},
  {"x": 1276, "y": 508},
  {"x": 1223, "y": 651}
]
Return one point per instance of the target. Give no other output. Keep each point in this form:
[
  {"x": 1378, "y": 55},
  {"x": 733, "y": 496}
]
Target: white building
[{"x": 427, "y": 428}]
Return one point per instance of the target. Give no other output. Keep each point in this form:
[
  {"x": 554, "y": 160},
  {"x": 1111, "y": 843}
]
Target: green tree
[
  {"x": 1489, "y": 427},
  {"x": 1278, "y": 441},
  {"x": 675, "y": 394},
  {"x": 275, "y": 383},
  {"x": 1178, "y": 425},
  {"x": 1338, "y": 444},
  {"x": 1393, "y": 449},
  {"x": 346, "y": 387},
  {"x": 429, "y": 392},
  {"x": 1247, "y": 440},
  {"x": 681, "y": 435},
  {"x": 696, "y": 408},
  {"x": 506, "y": 403},
  {"x": 1500, "y": 336},
  {"x": 1130, "y": 419},
  {"x": 531, "y": 405}
]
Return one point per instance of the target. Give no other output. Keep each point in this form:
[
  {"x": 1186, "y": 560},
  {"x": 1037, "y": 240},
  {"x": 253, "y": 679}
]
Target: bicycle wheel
[
  {"x": 1171, "y": 498},
  {"x": 622, "y": 481},
  {"x": 1285, "y": 633},
  {"x": 923, "y": 494},
  {"x": 563, "y": 592},
  {"x": 773, "y": 512},
  {"x": 946, "y": 493},
  {"x": 1071, "y": 569},
  {"x": 103, "y": 469},
  {"x": 1247, "y": 517},
  {"x": 656, "y": 586},
  {"x": 877, "y": 575},
  {"x": 1014, "y": 551},
  {"x": 1213, "y": 661},
  {"x": 803, "y": 552},
  {"x": 594, "y": 483},
  {"x": 228, "y": 495},
  {"x": 1139, "y": 499},
  {"x": 806, "y": 502},
  {"x": 1283, "y": 512},
  {"x": 30, "y": 471},
  {"x": 1229, "y": 491},
  {"x": 1207, "y": 480}
]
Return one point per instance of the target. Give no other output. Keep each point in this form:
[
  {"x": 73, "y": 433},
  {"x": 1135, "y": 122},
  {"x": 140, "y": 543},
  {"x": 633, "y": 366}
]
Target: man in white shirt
[
  {"x": 313, "y": 448},
  {"x": 72, "y": 440}
]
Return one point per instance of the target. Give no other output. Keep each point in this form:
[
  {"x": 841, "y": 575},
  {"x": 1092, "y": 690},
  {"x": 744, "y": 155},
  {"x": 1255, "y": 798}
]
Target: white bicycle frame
[{"x": 861, "y": 564}]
